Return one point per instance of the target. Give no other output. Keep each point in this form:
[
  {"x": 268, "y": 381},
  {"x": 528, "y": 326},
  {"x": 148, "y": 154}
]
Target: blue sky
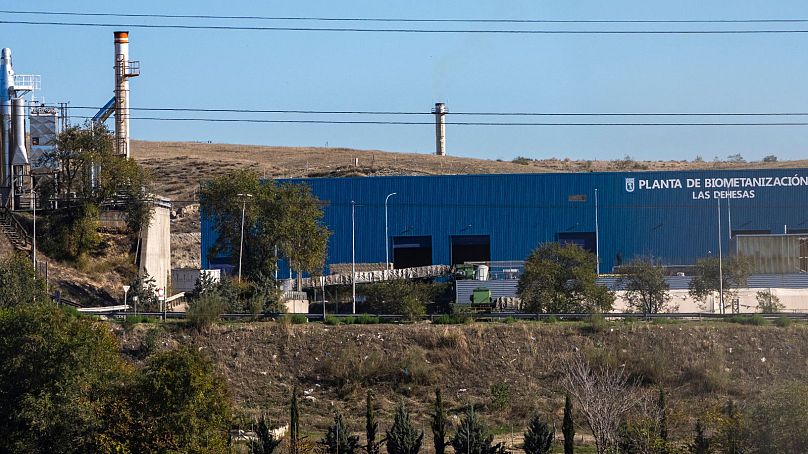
[{"x": 410, "y": 72}]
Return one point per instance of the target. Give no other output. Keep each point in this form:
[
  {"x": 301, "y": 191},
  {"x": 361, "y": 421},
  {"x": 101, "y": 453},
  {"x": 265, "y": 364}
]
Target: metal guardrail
[{"x": 496, "y": 316}]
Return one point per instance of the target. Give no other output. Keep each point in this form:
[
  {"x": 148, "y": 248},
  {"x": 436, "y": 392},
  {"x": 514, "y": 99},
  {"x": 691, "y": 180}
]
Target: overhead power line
[
  {"x": 408, "y": 20},
  {"x": 458, "y": 123},
  {"x": 450, "y": 114},
  {"x": 407, "y": 30}
]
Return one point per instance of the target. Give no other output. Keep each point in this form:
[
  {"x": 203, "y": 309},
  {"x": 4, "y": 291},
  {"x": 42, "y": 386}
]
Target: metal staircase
[{"x": 14, "y": 231}]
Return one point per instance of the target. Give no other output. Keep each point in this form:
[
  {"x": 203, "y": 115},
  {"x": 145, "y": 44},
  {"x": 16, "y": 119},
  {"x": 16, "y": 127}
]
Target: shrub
[
  {"x": 331, "y": 320},
  {"x": 596, "y": 323},
  {"x": 366, "y": 319},
  {"x": 521, "y": 160},
  {"x": 452, "y": 319},
  {"x": 783, "y": 322},
  {"x": 756, "y": 320},
  {"x": 18, "y": 282},
  {"x": 500, "y": 396},
  {"x": 205, "y": 310},
  {"x": 296, "y": 319}
]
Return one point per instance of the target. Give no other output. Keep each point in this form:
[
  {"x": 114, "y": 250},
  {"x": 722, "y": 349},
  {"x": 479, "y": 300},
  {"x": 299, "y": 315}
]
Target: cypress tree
[
  {"x": 371, "y": 426},
  {"x": 663, "y": 417},
  {"x": 568, "y": 428},
  {"x": 294, "y": 429},
  {"x": 701, "y": 444},
  {"x": 403, "y": 437},
  {"x": 539, "y": 436},
  {"x": 440, "y": 423},
  {"x": 472, "y": 437},
  {"x": 265, "y": 441},
  {"x": 338, "y": 438}
]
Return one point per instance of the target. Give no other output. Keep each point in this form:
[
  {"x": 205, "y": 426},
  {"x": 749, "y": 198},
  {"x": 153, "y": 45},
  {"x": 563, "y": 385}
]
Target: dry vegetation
[
  {"x": 507, "y": 370},
  {"x": 179, "y": 167}
]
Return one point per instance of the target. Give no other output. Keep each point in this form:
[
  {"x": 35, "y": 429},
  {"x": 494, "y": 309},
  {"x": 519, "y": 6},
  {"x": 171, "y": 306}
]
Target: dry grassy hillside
[
  {"x": 179, "y": 167},
  {"x": 507, "y": 370}
]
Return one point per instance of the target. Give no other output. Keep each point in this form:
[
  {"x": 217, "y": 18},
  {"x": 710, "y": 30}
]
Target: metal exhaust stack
[
  {"x": 440, "y": 128},
  {"x": 124, "y": 69},
  {"x": 20, "y": 153}
]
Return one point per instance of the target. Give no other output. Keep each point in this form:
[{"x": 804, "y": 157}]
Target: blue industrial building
[{"x": 449, "y": 219}]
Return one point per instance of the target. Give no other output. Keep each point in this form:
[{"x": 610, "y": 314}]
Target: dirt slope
[{"x": 700, "y": 364}]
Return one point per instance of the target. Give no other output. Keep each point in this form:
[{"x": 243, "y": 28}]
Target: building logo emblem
[{"x": 629, "y": 184}]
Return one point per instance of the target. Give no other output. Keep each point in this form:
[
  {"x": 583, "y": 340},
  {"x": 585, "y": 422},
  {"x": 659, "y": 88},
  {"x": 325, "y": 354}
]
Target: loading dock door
[
  {"x": 412, "y": 251},
  {"x": 470, "y": 248},
  {"x": 586, "y": 240}
]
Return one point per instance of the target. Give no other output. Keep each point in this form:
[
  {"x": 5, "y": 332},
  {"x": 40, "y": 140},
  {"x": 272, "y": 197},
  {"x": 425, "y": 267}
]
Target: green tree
[
  {"x": 371, "y": 426},
  {"x": 645, "y": 286},
  {"x": 708, "y": 280},
  {"x": 403, "y": 437},
  {"x": 19, "y": 283},
  {"x": 181, "y": 405},
  {"x": 92, "y": 175},
  {"x": 279, "y": 220},
  {"x": 439, "y": 424},
  {"x": 72, "y": 232},
  {"x": 701, "y": 443},
  {"x": 60, "y": 379},
  {"x": 768, "y": 302},
  {"x": 265, "y": 441},
  {"x": 539, "y": 436},
  {"x": 303, "y": 237},
  {"x": 561, "y": 279},
  {"x": 338, "y": 438},
  {"x": 143, "y": 293},
  {"x": 568, "y": 427},
  {"x": 473, "y": 437}
]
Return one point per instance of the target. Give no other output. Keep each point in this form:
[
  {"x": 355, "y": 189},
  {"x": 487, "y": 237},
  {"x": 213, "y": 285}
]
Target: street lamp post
[
  {"x": 386, "y": 236},
  {"x": 33, "y": 248},
  {"x": 241, "y": 240}
]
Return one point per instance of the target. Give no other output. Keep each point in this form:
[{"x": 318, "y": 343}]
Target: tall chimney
[
  {"x": 440, "y": 128},
  {"x": 124, "y": 69},
  {"x": 6, "y": 88}
]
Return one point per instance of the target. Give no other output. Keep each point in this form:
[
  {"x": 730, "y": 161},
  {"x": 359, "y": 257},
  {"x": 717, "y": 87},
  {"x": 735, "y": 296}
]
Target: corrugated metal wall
[
  {"x": 771, "y": 253},
  {"x": 640, "y": 213}
]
